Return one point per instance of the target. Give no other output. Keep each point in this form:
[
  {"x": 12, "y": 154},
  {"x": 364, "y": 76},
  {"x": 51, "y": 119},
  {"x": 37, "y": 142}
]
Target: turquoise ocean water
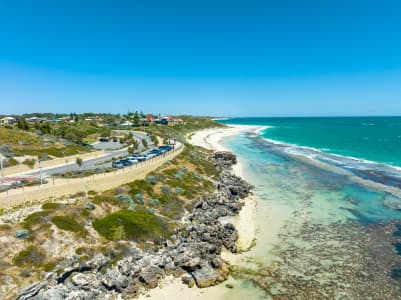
[
  {"x": 328, "y": 194},
  {"x": 371, "y": 138}
]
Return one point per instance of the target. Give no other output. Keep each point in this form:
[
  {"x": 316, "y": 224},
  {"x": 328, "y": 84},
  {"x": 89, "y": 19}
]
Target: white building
[{"x": 8, "y": 121}]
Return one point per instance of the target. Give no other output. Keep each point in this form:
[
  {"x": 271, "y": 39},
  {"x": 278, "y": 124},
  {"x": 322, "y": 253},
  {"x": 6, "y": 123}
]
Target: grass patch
[
  {"x": 31, "y": 256},
  {"x": 172, "y": 208},
  {"x": 105, "y": 198},
  {"x": 139, "y": 225},
  {"x": 29, "y": 162},
  {"x": 141, "y": 186},
  {"x": 12, "y": 162},
  {"x": 36, "y": 219},
  {"x": 68, "y": 223},
  {"x": 51, "y": 205}
]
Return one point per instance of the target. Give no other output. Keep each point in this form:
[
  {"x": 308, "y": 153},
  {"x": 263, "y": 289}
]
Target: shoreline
[
  {"x": 211, "y": 139},
  {"x": 172, "y": 288}
]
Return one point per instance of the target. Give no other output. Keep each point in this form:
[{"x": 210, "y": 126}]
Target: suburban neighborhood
[{"x": 111, "y": 142}]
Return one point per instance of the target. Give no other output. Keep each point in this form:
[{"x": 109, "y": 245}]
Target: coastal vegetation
[
  {"x": 138, "y": 225},
  {"x": 144, "y": 213}
]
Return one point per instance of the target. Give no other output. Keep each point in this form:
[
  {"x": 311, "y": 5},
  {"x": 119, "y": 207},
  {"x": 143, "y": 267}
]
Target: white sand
[{"x": 172, "y": 288}]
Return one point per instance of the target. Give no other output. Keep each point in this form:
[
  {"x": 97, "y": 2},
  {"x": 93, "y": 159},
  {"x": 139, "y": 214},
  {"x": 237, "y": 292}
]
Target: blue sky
[{"x": 236, "y": 58}]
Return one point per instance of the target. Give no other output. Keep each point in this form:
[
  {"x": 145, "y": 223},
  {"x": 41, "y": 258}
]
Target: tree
[
  {"x": 144, "y": 143},
  {"x": 106, "y": 133},
  {"x": 131, "y": 150},
  {"x": 135, "y": 119},
  {"x": 79, "y": 161},
  {"x": 130, "y": 136},
  {"x": 46, "y": 128},
  {"x": 135, "y": 145},
  {"x": 165, "y": 141},
  {"x": 154, "y": 140},
  {"x": 22, "y": 123}
]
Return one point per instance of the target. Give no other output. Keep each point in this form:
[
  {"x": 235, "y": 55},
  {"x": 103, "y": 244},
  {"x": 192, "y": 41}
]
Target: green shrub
[
  {"x": 36, "y": 218},
  {"x": 49, "y": 266},
  {"x": 67, "y": 223},
  {"x": 138, "y": 225},
  {"x": 139, "y": 198},
  {"x": 179, "y": 190},
  {"x": 151, "y": 179},
  {"x": 29, "y": 162},
  {"x": 154, "y": 202},
  {"x": 51, "y": 205},
  {"x": 172, "y": 208},
  {"x": 127, "y": 200},
  {"x": 12, "y": 162},
  {"x": 31, "y": 256},
  {"x": 92, "y": 193},
  {"x": 166, "y": 190},
  {"x": 141, "y": 186},
  {"x": 99, "y": 199}
]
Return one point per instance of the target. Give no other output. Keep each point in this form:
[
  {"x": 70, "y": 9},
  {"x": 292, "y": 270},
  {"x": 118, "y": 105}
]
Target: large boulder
[
  {"x": 224, "y": 158},
  {"x": 150, "y": 276},
  {"x": 208, "y": 276}
]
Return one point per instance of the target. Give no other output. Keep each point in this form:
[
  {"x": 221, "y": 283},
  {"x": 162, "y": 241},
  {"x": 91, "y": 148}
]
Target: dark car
[{"x": 126, "y": 162}]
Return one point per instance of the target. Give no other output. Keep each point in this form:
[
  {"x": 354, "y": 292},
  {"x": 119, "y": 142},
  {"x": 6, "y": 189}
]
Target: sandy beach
[{"x": 172, "y": 288}]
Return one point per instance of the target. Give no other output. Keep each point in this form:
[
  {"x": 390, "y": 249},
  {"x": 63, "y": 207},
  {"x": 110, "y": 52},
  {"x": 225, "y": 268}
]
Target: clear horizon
[{"x": 223, "y": 58}]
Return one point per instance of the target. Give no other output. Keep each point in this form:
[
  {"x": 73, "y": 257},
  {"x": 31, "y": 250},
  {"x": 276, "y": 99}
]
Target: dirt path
[{"x": 98, "y": 183}]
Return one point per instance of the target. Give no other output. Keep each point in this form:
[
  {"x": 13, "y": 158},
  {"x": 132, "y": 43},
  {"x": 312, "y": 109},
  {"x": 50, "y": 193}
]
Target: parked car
[
  {"x": 117, "y": 164},
  {"x": 155, "y": 151},
  {"x": 126, "y": 162},
  {"x": 141, "y": 158}
]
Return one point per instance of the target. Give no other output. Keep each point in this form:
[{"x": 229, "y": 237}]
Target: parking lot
[{"x": 140, "y": 157}]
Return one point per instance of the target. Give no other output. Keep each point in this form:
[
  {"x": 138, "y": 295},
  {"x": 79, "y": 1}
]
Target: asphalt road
[
  {"x": 103, "y": 161},
  {"x": 93, "y": 163}
]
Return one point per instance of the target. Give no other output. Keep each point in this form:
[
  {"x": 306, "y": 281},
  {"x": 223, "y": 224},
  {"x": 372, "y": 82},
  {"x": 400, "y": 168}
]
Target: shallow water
[{"x": 321, "y": 234}]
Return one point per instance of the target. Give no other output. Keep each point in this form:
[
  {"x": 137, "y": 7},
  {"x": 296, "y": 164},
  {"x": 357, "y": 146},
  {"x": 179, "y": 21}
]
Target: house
[
  {"x": 34, "y": 120},
  {"x": 63, "y": 119},
  {"x": 8, "y": 121},
  {"x": 179, "y": 121},
  {"x": 127, "y": 123},
  {"x": 149, "y": 116},
  {"x": 144, "y": 121}
]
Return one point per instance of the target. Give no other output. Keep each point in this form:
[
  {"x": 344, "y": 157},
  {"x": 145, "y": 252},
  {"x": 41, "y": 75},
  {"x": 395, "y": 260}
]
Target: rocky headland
[{"x": 193, "y": 252}]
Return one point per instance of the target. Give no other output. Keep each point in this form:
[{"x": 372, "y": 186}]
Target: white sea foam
[{"x": 344, "y": 161}]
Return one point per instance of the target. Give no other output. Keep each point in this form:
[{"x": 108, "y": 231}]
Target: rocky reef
[{"x": 193, "y": 252}]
